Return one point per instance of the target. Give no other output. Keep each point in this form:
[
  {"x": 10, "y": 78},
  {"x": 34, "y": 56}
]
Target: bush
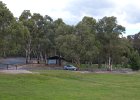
[{"x": 135, "y": 60}]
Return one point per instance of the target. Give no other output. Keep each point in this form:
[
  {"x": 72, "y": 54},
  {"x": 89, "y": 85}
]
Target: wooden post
[{"x": 7, "y": 66}]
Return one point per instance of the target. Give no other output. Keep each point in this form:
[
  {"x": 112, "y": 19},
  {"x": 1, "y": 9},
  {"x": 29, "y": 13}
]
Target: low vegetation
[{"x": 68, "y": 85}]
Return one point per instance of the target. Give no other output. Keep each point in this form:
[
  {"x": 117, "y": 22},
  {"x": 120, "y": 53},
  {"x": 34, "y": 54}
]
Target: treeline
[{"x": 90, "y": 41}]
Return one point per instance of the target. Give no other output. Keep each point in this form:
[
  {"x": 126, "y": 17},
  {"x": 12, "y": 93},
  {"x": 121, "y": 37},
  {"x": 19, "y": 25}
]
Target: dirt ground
[
  {"x": 27, "y": 69},
  {"x": 15, "y": 71}
]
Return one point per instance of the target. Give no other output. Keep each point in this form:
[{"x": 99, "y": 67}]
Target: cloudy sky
[{"x": 72, "y": 11}]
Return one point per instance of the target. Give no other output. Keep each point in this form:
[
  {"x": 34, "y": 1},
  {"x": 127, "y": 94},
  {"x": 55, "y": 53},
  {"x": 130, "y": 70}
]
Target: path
[{"x": 16, "y": 71}]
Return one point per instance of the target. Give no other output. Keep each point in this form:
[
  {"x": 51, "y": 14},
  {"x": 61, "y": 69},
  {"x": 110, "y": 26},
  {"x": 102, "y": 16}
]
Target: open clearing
[{"x": 68, "y": 85}]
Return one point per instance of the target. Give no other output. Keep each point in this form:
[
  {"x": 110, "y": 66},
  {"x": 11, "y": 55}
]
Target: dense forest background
[{"x": 90, "y": 41}]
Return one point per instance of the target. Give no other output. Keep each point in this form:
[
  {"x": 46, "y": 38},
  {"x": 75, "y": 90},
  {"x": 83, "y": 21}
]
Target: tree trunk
[
  {"x": 109, "y": 63},
  {"x": 28, "y": 51},
  {"x": 38, "y": 57},
  {"x": 4, "y": 54},
  {"x": 77, "y": 62},
  {"x": 26, "y": 57},
  {"x": 41, "y": 56},
  {"x": 38, "y": 62},
  {"x": 99, "y": 62},
  {"x": 45, "y": 58}
]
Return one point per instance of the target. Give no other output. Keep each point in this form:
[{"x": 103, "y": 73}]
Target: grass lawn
[{"x": 68, "y": 85}]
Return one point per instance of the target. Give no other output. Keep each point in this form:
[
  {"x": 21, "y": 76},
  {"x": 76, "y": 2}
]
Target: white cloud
[
  {"x": 72, "y": 11},
  {"x": 36, "y": 6}
]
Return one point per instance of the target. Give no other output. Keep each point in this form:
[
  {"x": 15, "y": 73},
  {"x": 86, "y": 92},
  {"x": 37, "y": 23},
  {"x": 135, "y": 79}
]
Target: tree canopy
[{"x": 90, "y": 40}]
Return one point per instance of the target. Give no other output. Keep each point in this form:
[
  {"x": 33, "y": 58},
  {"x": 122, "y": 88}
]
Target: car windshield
[{"x": 69, "y": 66}]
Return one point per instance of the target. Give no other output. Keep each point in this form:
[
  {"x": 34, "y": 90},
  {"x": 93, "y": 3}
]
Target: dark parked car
[{"x": 70, "y": 67}]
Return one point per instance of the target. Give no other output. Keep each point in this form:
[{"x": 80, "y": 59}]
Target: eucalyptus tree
[
  {"x": 25, "y": 18},
  {"x": 38, "y": 34},
  {"x": 135, "y": 39},
  {"x": 58, "y": 30},
  {"x": 108, "y": 32},
  {"x": 19, "y": 33},
  {"x": 121, "y": 52},
  {"x": 80, "y": 43},
  {"x": 47, "y": 44},
  {"x": 42, "y": 36},
  {"x": 88, "y": 45},
  {"x": 6, "y": 18},
  {"x": 134, "y": 54},
  {"x": 134, "y": 60}
]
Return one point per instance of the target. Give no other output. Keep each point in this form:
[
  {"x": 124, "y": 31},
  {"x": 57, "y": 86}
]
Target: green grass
[{"x": 67, "y": 85}]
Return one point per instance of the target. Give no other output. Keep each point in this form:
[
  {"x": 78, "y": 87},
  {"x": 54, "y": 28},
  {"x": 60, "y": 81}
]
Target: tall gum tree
[
  {"x": 6, "y": 18},
  {"x": 25, "y": 18},
  {"x": 108, "y": 32},
  {"x": 80, "y": 43}
]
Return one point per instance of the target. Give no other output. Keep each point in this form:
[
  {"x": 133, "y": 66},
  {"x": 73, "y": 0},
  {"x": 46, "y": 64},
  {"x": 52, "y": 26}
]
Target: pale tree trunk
[
  {"x": 77, "y": 62},
  {"x": 109, "y": 63},
  {"x": 45, "y": 59},
  {"x": 28, "y": 51},
  {"x": 60, "y": 63},
  {"x": 26, "y": 56},
  {"x": 41, "y": 56},
  {"x": 109, "y": 59}
]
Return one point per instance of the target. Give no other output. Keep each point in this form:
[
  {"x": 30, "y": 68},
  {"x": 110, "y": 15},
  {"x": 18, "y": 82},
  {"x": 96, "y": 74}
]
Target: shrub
[{"x": 135, "y": 60}]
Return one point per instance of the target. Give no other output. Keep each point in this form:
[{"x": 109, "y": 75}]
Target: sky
[{"x": 72, "y": 11}]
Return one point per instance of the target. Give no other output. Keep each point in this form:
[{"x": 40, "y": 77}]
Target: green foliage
[
  {"x": 135, "y": 60},
  {"x": 108, "y": 32},
  {"x": 79, "y": 43},
  {"x": 89, "y": 41},
  {"x": 6, "y": 18},
  {"x": 135, "y": 41}
]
